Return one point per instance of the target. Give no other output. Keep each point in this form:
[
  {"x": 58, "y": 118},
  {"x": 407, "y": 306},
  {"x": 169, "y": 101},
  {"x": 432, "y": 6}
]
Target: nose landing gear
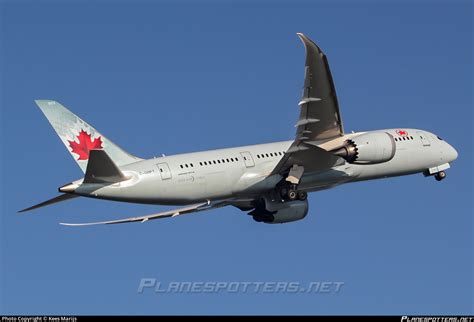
[
  {"x": 440, "y": 176},
  {"x": 437, "y": 172}
]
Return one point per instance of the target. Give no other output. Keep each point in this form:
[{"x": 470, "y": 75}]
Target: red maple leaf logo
[
  {"x": 85, "y": 145},
  {"x": 402, "y": 132}
]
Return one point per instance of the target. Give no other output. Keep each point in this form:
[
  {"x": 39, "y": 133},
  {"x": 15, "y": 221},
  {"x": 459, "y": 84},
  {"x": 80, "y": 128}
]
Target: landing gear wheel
[
  {"x": 440, "y": 176},
  {"x": 284, "y": 193},
  {"x": 292, "y": 195},
  {"x": 302, "y": 195}
]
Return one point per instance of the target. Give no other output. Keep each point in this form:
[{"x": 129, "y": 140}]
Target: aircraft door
[
  {"x": 247, "y": 159},
  {"x": 164, "y": 171},
  {"x": 424, "y": 138}
]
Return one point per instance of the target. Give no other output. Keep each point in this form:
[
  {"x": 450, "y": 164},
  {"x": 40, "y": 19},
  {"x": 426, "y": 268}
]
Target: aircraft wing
[
  {"x": 319, "y": 118},
  {"x": 165, "y": 214},
  {"x": 319, "y": 115}
]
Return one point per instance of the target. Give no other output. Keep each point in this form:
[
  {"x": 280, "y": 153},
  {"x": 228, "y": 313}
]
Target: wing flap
[{"x": 166, "y": 214}]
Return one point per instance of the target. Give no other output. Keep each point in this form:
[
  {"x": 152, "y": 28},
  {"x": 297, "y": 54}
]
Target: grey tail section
[
  {"x": 79, "y": 137},
  {"x": 101, "y": 169},
  {"x": 54, "y": 200}
]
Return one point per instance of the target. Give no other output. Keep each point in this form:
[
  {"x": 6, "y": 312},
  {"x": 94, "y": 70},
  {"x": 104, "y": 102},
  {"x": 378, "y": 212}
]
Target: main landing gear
[
  {"x": 288, "y": 188},
  {"x": 440, "y": 176},
  {"x": 291, "y": 193}
]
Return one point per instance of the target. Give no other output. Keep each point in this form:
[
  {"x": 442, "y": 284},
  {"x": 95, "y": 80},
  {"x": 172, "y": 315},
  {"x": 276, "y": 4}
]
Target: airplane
[{"x": 269, "y": 182}]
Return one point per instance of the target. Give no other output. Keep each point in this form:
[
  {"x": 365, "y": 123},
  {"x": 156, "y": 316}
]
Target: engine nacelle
[
  {"x": 276, "y": 212},
  {"x": 369, "y": 148}
]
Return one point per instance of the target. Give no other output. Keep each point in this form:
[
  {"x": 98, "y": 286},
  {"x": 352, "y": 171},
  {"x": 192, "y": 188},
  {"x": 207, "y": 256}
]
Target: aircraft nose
[{"x": 451, "y": 153}]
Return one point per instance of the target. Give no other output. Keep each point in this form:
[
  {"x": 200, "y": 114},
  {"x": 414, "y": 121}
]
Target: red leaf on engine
[{"x": 85, "y": 145}]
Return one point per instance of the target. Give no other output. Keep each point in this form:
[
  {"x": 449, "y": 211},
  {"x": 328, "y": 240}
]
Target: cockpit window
[{"x": 439, "y": 138}]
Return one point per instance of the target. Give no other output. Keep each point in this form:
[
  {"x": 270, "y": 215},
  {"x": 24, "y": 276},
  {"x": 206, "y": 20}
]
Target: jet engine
[
  {"x": 369, "y": 148},
  {"x": 276, "y": 212}
]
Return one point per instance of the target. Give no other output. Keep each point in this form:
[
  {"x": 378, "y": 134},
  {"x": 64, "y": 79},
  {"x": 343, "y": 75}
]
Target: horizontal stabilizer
[
  {"x": 101, "y": 169},
  {"x": 57, "y": 199}
]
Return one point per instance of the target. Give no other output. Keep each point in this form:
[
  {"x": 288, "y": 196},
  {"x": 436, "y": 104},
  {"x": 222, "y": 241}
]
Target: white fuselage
[{"x": 246, "y": 172}]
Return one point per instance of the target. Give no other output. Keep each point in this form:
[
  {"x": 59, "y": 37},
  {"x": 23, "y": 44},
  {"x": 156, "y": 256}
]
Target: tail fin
[{"x": 79, "y": 137}]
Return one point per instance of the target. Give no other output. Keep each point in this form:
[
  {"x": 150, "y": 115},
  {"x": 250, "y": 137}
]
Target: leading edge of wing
[{"x": 165, "y": 214}]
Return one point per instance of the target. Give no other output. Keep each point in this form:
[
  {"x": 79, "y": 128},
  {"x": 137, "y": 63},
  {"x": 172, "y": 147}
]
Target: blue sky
[{"x": 162, "y": 77}]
